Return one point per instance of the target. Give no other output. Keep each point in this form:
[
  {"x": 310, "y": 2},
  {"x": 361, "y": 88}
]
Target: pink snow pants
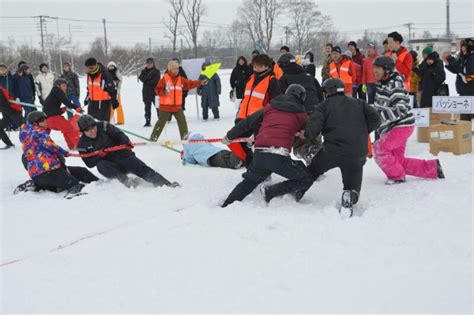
[{"x": 389, "y": 154}]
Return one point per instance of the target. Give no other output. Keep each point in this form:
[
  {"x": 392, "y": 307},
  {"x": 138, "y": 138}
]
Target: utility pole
[
  {"x": 181, "y": 40},
  {"x": 287, "y": 34},
  {"x": 70, "y": 47},
  {"x": 105, "y": 38},
  {"x": 409, "y": 33},
  {"x": 59, "y": 47},
  {"x": 149, "y": 45},
  {"x": 448, "y": 31},
  {"x": 42, "y": 21}
]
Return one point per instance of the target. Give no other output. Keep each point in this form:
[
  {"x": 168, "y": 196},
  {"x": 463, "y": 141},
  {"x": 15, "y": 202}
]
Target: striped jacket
[{"x": 392, "y": 103}]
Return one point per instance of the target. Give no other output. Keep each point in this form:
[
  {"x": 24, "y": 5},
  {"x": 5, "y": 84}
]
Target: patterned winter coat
[{"x": 42, "y": 154}]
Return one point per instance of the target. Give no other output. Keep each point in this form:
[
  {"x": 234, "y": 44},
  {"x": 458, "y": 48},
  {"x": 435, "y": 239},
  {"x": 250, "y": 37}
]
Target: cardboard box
[
  {"x": 423, "y": 134},
  {"x": 454, "y": 137}
]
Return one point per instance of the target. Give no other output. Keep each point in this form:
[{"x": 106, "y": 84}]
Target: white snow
[{"x": 408, "y": 249}]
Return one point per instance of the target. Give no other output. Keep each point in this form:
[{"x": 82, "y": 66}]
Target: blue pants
[
  {"x": 27, "y": 109},
  {"x": 75, "y": 100}
]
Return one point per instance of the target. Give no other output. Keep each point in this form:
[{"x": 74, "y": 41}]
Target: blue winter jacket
[
  {"x": 22, "y": 87},
  {"x": 7, "y": 82},
  {"x": 199, "y": 153}
]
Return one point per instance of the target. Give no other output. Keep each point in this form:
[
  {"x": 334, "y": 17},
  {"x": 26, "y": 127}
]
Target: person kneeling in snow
[
  {"x": 56, "y": 121},
  {"x": 111, "y": 151},
  {"x": 391, "y": 100},
  {"x": 277, "y": 124},
  {"x": 44, "y": 159},
  {"x": 206, "y": 154}
]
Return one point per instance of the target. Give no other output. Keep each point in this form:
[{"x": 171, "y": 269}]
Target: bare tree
[
  {"x": 306, "y": 21},
  {"x": 172, "y": 25},
  {"x": 192, "y": 13},
  {"x": 259, "y": 19}
]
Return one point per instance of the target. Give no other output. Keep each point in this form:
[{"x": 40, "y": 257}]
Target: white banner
[
  {"x": 453, "y": 104},
  {"x": 193, "y": 68}
]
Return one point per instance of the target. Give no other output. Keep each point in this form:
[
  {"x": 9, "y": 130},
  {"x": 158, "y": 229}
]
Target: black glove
[
  {"x": 115, "y": 103},
  {"x": 86, "y": 101}
]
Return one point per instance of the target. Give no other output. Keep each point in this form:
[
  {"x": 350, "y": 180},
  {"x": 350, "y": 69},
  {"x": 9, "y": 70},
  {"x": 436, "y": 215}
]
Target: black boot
[{"x": 440, "y": 170}]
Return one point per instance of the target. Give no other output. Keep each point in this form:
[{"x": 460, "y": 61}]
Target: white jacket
[{"x": 44, "y": 84}]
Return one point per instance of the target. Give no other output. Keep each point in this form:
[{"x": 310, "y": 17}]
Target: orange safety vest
[
  {"x": 402, "y": 56},
  {"x": 96, "y": 88},
  {"x": 175, "y": 91},
  {"x": 277, "y": 70},
  {"x": 343, "y": 72},
  {"x": 253, "y": 96}
]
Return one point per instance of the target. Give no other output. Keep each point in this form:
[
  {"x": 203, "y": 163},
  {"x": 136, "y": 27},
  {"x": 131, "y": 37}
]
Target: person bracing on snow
[
  {"x": 207, "y": 154},
  {"x": 398, "y": 123},
  {"x": 98, "y": 137},
  {"x": 11, "y": 115},
  {"x": 345, "y": 124},
  {"x": 44, "y": 158},
  {"x": 56, "y": 121},
  {"x": 275, "y": 127}
]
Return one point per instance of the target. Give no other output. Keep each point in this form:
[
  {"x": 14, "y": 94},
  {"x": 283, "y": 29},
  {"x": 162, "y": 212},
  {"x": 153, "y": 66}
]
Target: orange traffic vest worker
[
  {"x": 101, "y": 92},
  {"x": 170, "y": 90},
  {"x": 260, "y": 89},
  {"x": 344, "y": 70}
]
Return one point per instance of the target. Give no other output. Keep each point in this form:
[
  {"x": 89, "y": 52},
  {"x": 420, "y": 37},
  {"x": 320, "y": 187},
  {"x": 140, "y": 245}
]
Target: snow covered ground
[{"x": 408, "y": 249}]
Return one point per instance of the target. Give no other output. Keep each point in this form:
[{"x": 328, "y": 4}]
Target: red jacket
[
  {"x": 358, "y": 72},
  {"x": 358, "y": 58},
  {"x": 368, "y": 69},
  {"x": 403, "y": 66}
]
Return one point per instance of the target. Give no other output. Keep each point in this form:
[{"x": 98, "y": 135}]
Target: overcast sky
[{"x": 349, "y": 17}]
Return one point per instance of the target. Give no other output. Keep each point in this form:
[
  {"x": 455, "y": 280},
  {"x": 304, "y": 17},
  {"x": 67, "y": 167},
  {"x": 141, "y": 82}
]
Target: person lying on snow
[
  {"x": 56, "y": 121},
  {"x": 206, "y": 154},
  {"x": 44, "y": 160},
  {"x": 99, "y": 136},
  {"x": 277, "y": 124},
  {"x": 345, "y": 123}
]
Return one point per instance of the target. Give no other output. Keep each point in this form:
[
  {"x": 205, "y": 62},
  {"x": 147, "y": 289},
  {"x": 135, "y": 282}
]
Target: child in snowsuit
[
  {"x": 56, "y": 120},
  {"x": 345, "y": 123},
  {"x": 98, "y": 137},
  {"x": 206, "y": 154},
  {"x": 391, "y": 100},
  {"x": 45, "y": 159},
  {"x": 277, "y": 125}
]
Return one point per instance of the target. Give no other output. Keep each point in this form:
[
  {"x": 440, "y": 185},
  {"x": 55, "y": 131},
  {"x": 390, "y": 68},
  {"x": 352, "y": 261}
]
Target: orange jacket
[
  {"x": 254, "y": 96},
  {"x": 344, "y": 70},
  {"x": 169, "y": 100},
  {"x": 404, "y": 64}
]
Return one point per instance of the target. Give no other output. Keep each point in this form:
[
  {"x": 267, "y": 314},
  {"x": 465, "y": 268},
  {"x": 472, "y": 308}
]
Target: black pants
[
  {"x": 120, "y": 167},
  {"x": 351, "y": 170},
  {"x": 225, "y": 159},
  {"x": 99, "y": 110},
  {"x": 371, "y": 90},
  {"x": 148, "y": 106},
  {"x": 263, "y": 165},
  {"x": 7, "y": 121},
  {"x": 205, "y": 111},
  {"x": 57, "y": 180}
]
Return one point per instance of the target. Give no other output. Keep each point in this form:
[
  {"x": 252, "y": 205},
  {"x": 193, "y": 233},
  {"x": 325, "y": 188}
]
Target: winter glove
[
  {"x": 364, "y": 88},
  {"x": 79, "y": 110},
  {"x": 115, "y": 103},
  {"x": 226, "y": 140},
  {"x": 232, "y": 95},
  {"x": 204, "y": 81},
  {"x": 86, "y": 101},
  {"x": 102, "y": 153}
]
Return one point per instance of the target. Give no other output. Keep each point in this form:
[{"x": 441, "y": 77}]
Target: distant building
[{"x": 442, "y": 45}]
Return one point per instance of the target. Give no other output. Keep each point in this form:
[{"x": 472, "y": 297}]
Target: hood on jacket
[
  {"x": 288, "y": 103},
  {"x": 113, "y": 64}
]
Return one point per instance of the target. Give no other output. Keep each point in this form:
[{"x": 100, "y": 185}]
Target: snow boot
[
  {"x": 440, "y": 170},
  {"x": 130, "y": 183},
  {"x": 395, "y": 181},
  {"x": 348, "y": 200},
  {"x": 173, "y": 185},
  {"x": 7, "y": 147},
  {"x": 29, "y": 185},
  {"x": 75, "y": 191}
]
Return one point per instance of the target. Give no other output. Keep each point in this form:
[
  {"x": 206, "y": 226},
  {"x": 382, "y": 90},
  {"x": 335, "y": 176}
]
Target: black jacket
[
  {"x": 150, "y": 78},
  {"x": 52, "y": 104},
  {"x": 463, "y": 66},
  {"x": 107, "y": 136},
  {"x": 294, "y": 74},
  {"x": 73, "y": 87},
  {"x": 432, "y": 78},
  {"x": 108, "y": 80},
  {"x": 311, "y": 69},
  {"x": 238, "y": 80},
  {"x": 345, "y": 123}
]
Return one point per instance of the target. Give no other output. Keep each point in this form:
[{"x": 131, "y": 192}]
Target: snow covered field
[{"x": 408, "y": 249}]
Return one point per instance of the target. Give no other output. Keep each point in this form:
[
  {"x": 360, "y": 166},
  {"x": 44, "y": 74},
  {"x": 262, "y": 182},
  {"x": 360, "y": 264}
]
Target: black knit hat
[
  {"x": 285, "y": 48},
  {"x": 91, "y": 62},
  {"x": 396, "y": 36},
  {"x": 255, "y": 52}
]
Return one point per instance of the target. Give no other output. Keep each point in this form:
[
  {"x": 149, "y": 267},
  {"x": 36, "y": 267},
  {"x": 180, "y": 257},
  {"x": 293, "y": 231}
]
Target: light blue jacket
[{"x": 199, "y": 153}]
